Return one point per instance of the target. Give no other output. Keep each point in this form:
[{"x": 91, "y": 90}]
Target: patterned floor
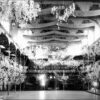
[{"x": 51, "y": 95}]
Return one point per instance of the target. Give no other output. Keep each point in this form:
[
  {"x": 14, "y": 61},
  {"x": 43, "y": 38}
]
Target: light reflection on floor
[
  {"x": 42, "y": 95},
  {"x": 52, "y": 95}
]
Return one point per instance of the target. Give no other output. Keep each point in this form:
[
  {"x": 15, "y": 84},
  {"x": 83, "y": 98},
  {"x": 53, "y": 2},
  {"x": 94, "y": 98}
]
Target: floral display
[
  {"x": 19, "y": 10},
  {"x": 10, "y": 72},
  {"x": 62, "y": 13},
  {"x": 90, "y": 72}
]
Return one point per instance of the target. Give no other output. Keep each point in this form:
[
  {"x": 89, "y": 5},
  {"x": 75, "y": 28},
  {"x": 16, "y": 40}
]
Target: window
[
  {"x": 86, "y": 21},
  {"x": 77, "y": 7},
  {"x": 70, "y": 22},
  {"x": 66, "y": 31},
  {"x": 47, "y": 30},
  {"x": 94, "y": 7},
  {"x": 79, "y": 31}
]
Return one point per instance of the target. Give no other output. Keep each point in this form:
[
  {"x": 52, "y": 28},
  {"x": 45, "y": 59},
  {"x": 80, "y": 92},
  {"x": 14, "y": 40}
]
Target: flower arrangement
[
  {"x": 11, "y": 73},
  {"x": 19, "y": 10},
  {"x": 62, "y": 12}
]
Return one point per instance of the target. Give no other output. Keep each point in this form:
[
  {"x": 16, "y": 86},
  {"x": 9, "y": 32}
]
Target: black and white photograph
[{"x": 49, "y": 49}]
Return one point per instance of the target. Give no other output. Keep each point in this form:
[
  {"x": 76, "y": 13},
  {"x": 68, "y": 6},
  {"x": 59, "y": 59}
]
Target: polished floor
[{"x": 51, "y": 95}]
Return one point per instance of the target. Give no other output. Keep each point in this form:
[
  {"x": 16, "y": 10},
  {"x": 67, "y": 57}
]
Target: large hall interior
[{"x": 49, "y": 49}]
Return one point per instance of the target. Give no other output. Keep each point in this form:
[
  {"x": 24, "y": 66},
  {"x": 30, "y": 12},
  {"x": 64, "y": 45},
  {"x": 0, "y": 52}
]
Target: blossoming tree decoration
[
  {"x": 26, "y": 9},
  {"x": 19, "y": 10},
  {"x": 62, "y": 12}
]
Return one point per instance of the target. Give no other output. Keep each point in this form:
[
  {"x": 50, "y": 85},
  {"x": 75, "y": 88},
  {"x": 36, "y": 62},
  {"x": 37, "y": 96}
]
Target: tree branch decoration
[
  {"x": 62, "y": 12},
  {"x": 19, "y": 10}
]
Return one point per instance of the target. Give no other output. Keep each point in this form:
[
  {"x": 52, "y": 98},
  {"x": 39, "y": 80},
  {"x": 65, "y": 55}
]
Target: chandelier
[
  {"x": 19, "y": 10},
  {"x": 63, "y": 12}
]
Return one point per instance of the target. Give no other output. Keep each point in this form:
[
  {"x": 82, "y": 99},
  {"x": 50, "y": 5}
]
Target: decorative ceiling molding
[
  {"x": 54, "y": 35},
  {"x": 55, "y": 28},
  {"x": 63, "y": 31},
  {"x": 55, "y": 40},
  {"x": 70, "y": 38},
  {"x": 72, "y": 33},
  {"x": 75, "y": 25}
]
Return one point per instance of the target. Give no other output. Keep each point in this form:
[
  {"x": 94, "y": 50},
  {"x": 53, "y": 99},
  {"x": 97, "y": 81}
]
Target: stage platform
[{"x": 51, "y": 95}]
